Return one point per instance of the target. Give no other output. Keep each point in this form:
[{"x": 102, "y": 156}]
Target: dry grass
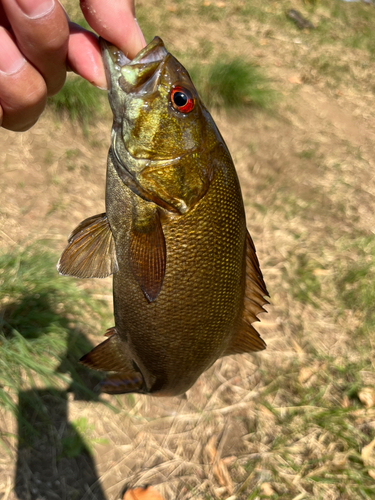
[{"x": 294, "y": 421}]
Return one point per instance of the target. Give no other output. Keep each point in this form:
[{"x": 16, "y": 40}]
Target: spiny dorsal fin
[
  {"x": 247, "y": 338},
  {"x": 91, "y": 250},
  {"x": 111, "y": 355},
  {"x": 148, "y": 255}
]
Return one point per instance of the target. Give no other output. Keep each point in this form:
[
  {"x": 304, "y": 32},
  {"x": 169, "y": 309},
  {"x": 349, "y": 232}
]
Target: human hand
[
  {"x": 113, "y": 20},
  {"x": 37, "y": 42}
]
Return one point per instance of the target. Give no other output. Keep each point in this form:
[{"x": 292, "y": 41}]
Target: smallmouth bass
[{"x": 186, "y": 279}]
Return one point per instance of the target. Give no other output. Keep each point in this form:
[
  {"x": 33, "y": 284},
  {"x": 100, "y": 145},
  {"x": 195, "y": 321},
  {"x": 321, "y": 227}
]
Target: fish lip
[
  {"x": 111, "y": 57},
  {"x": 153, "y": 52},
  {"x": 114, "y": 59}
]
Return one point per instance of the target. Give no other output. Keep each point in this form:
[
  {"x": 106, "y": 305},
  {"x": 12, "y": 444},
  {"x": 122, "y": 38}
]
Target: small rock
[
  {"x": 367, "y": 397},
  {"x": 267, "y": 489},
  {"x": 299, "y": 20}
]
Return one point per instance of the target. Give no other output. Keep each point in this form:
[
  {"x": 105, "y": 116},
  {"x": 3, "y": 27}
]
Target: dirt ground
[{"x": 307, "y": 174}]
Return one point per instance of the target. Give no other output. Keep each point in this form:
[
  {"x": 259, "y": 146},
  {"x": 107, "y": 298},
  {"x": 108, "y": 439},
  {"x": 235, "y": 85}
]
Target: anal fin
[
  {"x": 112, "y": 356},
  {"x": 91, "y": 250},
  {"x": 122, "y": 384}
]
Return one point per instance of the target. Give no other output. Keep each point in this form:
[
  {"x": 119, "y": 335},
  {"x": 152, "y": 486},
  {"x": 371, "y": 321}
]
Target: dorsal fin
[
  {"x": 247, "y": 338},
  {"x": 91, "y": 250}
]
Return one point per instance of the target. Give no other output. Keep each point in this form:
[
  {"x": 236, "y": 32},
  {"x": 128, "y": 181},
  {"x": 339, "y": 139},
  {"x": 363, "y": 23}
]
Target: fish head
[{"x": 161, "y": 130}]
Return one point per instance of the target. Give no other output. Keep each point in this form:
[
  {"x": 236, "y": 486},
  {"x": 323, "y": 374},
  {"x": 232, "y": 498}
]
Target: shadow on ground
[
  {"x": 53, "y": 461},
  {"x": 53, "y": 458}
]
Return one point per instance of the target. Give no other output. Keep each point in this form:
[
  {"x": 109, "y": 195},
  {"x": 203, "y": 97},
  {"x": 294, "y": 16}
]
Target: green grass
[
  {"x": 351, "y": 281},
  {"x": 153, "y": 22},
  {"x": 321, "y": 268},
  {"x": 309, "y": 435},
  {"x": 232, "y": 84},
  {"x": 334, "y": 72},
  {"x": 79, "y": 438},
  {"x": 318, "y": 425},
  {"x": 304, "y": 284},
  {"x": 258, "y": 11},
  {"x": 78, "y": 100},
  {"x": 356, "y": 282},
  {"x": 211, "y": 12},
  {"x": 349, "y": 24},
  {"x": 42, "y": 332}
]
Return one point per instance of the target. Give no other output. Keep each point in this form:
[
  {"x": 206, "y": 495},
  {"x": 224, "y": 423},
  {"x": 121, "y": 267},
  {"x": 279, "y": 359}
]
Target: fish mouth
[{"x": 131, "y": 75}]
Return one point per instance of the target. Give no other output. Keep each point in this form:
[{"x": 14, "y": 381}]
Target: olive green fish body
[
  {"x": 178, "y": 336},
  {"x": 187, "y": 283}
]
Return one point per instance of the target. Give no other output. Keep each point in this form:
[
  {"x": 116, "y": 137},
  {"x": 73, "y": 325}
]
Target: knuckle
[
  {"x": 57, "y": 42},
  {"x": 55, "y": 34}
]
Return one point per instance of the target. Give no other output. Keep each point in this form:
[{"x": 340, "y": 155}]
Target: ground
[{"x": 293, "y": 421}]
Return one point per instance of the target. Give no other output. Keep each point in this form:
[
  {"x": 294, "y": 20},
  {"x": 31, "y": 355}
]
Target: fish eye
[{"x": 182, "y": 99}]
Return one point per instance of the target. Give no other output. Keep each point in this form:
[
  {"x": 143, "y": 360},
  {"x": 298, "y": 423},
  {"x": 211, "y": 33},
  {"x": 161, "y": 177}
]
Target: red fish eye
[{"x": 182, "y": 99}]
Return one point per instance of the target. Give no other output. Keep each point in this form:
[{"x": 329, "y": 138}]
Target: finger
[
  {"x": 23, "y": 91},
  {"x": 3, "y": 18},
  {"x": 115, "y": 22},
  {"x": 84, "y": 56},
  {"x": 41, "y": 31}
]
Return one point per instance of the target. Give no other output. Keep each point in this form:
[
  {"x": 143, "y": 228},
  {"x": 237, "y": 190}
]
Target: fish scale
[{"x": 187, "y": 283}]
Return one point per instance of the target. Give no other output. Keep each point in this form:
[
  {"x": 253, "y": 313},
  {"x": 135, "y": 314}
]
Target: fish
[{"x": 187, "y": 285}]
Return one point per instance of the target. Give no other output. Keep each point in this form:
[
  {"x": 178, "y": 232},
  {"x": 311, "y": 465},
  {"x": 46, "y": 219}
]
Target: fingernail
[
  {"x": 11, "y": 59},
  {"x": 99, "y": 87},
  {"x": 36, "y": 8}
]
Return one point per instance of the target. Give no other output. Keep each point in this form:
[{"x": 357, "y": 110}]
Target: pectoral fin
[
  {"x": 247, "y": 338},
  {"x": 91, "y": 250},
  {"x": 147, "y": 254},
  {"x": 111, "y": 355}
]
